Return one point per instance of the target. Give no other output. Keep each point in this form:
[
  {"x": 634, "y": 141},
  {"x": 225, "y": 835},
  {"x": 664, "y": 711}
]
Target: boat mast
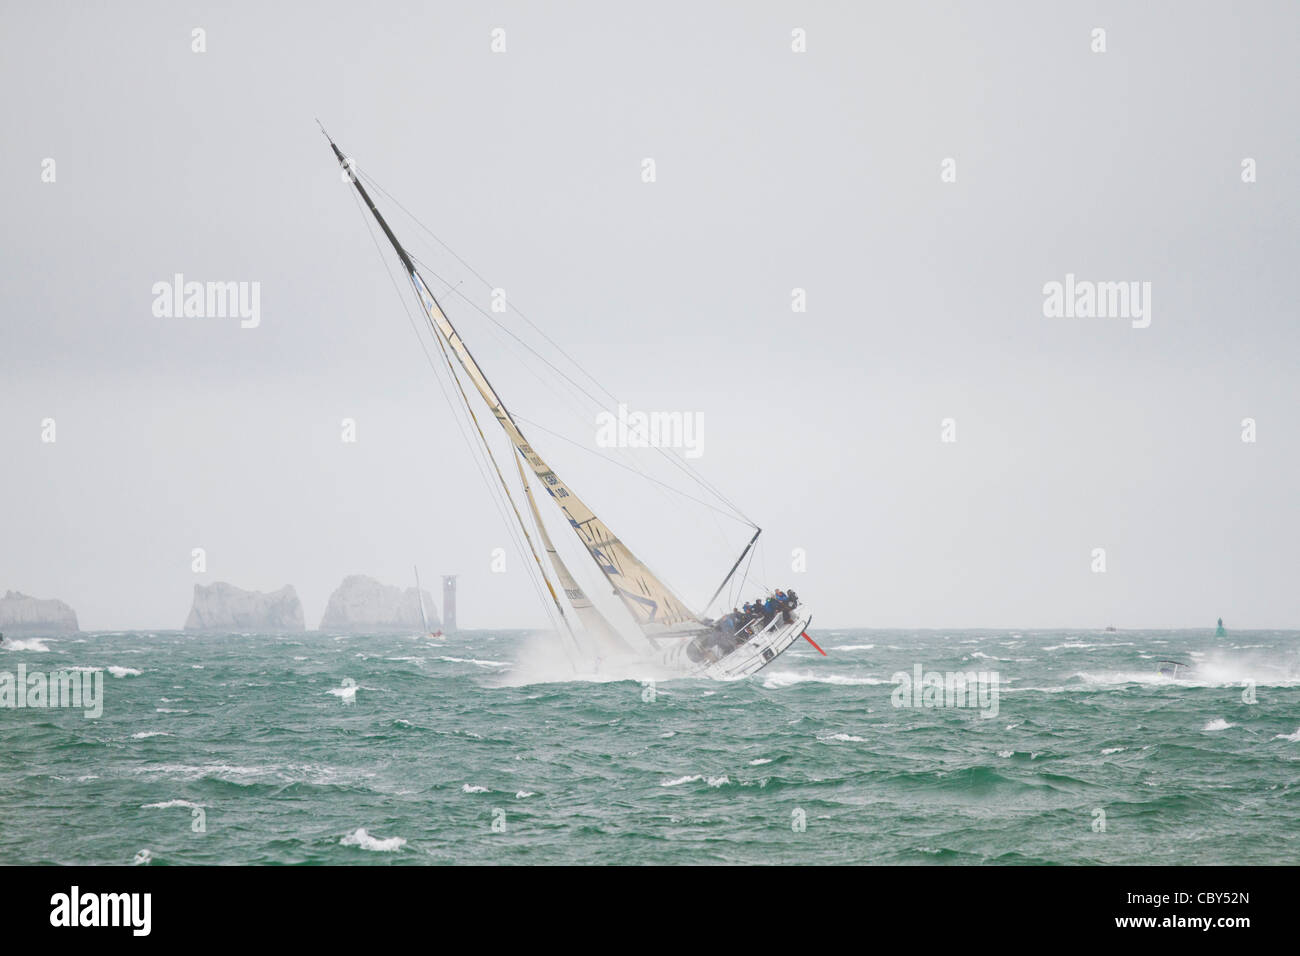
[
  {"x": 653, "y": 606},
  {"x": 419, "y": 286},
  {"x": 732, "y": 571}
]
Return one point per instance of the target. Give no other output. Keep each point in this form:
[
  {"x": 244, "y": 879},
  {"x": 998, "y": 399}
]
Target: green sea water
[{"x": 249, "y": 749}]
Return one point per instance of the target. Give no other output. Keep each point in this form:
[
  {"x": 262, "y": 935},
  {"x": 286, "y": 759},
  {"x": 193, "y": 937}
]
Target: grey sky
[{"x": 775, "y": 170}]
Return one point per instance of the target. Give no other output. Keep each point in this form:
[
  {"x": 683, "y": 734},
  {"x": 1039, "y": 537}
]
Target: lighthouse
[{"x": 449, "y": 603}]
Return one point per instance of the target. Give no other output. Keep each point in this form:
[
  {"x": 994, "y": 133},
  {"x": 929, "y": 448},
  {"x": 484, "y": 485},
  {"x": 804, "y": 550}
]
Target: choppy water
[{"x": 287, "y": 764}]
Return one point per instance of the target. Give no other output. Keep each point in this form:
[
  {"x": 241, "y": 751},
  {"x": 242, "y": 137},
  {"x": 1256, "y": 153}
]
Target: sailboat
[
  {"x": 673, "y": 634},
  {"x": 419, "y": 596}
]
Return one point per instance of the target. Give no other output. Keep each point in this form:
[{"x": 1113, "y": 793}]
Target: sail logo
[
  {"x": 1085, "y": 299},
  {"x": 208, "y": 300},
  {"x": 82, "y": 689},
  {"x": 924, "y": 689},
  {"x": 132, "y": 910},
  {"x": 636, "y": 429}
]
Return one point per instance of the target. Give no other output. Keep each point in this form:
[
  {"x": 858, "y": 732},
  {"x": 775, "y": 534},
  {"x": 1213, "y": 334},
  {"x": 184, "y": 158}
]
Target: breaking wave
[{"x": 360, "y": 838}]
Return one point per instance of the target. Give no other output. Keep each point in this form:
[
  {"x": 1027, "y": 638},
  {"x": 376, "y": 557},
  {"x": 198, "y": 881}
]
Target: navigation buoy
[{"x": 1220, "y": 632}]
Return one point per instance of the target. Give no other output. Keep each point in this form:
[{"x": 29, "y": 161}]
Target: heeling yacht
[{"x": 670, "y": 632}]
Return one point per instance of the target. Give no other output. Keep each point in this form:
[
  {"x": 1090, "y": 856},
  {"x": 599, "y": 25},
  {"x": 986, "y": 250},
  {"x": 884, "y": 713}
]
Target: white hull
[{"x": 751, "y": 656}]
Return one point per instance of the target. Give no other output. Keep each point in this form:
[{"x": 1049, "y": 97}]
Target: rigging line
[
  {"x": 619, "y": 464},
  {"x": 678, "y": 462},
  {"x": 465, "y": 398},
  {"x": 727, "y": 579},
  {"x": 445, "y": 282},
  {"x": 562, "y": 626},
  {"x": 474, "y": 451},
  {"x": 569, "y": 399},
  {"x": 438, "y": 318},
  {"x": 518, "y": 517},
  {"x": 573, "y": 637},
  {"x": 481, "y": 455},
  {"x": 510, "y": 530},
  {"x": 577, "y": 412},
  {"x": 547, "y": 545},
  {"x": 744, "y": 579}
]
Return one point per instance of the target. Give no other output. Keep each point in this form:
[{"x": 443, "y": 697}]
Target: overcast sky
[{"x": 774, "y": 170}]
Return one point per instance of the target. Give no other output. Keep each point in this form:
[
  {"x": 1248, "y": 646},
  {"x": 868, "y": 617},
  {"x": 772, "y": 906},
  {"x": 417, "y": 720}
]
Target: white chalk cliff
[
  {"x": 22, "y": 614},
  {"x": 224, "y": 607},
  {"x": 362, "y": 605}
]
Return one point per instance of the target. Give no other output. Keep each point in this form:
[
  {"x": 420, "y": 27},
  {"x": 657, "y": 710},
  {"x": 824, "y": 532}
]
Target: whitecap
[
  {"x": 360, "y": 838},
  {"x": 759, "y": 761},
  {"x": 146, "y": 734},
  {"x": 847, "y": 738},
  {"x": 1294, "y": 738},
  {"x": 524, "y": 794},
  {"x": 348, "y": 692},
  {"x": 781, "y": 679},
  {"x": 678, "y": 781},
  {"x": 117, "y": 671},
  {"x": 471, "y": 660},
  {"x": 169, "y": 804},
  {"x": 473, "y": 788},
  {"x": 33, "y": 644},
  {"x": 1218, "y": 724}
]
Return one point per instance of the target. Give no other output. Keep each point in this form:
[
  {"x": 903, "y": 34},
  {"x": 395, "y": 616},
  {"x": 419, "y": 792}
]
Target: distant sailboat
[
  {"x": 419, "y": 595},
  {"x": 673, "y": 634},
  {"x": 1173, "y": 669}
]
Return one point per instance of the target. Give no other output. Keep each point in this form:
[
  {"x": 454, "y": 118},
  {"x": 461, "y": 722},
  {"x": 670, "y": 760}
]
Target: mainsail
[
  {"x": 653, "y": 606},
  {"x": 419, "y": 596},
  {"x": 590, "y": 616}
]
